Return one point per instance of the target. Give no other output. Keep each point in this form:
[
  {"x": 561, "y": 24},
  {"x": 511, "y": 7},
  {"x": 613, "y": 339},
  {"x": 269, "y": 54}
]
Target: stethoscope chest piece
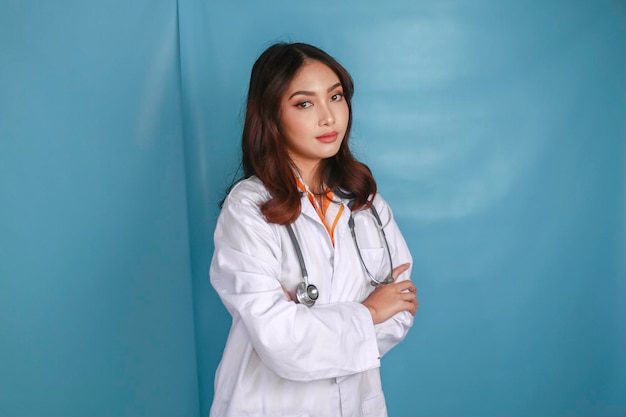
[{"x": 307, "y": 294}]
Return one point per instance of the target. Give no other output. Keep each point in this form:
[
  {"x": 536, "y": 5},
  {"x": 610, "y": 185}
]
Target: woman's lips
[{"x": 328, "y": 137}]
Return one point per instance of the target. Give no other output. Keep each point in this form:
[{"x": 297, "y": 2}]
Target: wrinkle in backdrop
[{"x": 95, "y": 291}]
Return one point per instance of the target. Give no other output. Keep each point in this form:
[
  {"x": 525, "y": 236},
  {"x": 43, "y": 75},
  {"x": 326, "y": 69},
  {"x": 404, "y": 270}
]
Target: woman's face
[{"x": 313, "y": 116}]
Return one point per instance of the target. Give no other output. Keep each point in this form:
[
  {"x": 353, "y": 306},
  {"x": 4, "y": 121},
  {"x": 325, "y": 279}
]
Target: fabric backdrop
[{"x": 496, "y": 131}]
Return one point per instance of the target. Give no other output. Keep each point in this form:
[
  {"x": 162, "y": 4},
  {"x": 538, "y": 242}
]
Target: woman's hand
[{"x": 389, "y": 299}]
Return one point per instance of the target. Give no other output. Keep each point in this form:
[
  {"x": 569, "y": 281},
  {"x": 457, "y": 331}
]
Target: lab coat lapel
[
  {"x": 307, "y": 209},
  {"x": 342, "y": 223}
]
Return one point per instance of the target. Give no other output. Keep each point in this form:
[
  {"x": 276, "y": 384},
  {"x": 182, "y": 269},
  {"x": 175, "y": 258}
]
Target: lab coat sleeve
[
  {"x": 391, "y": 332},
  {"x": 298, "y": 343}
]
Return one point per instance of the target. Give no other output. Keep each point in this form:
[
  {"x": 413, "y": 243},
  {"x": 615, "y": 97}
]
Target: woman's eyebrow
[
  {"x": 311, "y": 93},
  {"x": 332, "y": 87}
]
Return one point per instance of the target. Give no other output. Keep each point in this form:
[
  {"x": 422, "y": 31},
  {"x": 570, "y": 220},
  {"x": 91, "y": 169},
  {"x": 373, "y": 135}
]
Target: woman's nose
[{"x": 326, "y": 117}]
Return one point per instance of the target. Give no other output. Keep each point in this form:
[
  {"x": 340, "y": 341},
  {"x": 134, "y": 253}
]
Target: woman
[{"x": 312, "y": 313}]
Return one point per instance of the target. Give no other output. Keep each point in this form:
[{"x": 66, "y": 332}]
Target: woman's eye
[
  {"x": 336, "y": 97},
  {"x": 304, "y": 104}
]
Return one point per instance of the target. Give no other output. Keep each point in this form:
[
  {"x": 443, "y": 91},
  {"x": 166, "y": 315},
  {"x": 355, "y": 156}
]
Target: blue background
[{"x": 496, "y": 130}]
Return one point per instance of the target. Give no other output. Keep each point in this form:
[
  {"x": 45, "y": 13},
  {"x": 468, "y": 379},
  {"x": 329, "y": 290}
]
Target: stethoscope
[{"x": 307, "y": 293}]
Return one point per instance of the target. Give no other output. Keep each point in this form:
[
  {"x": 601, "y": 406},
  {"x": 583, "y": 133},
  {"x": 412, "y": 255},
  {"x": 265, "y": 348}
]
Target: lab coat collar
[{"x": 307, "y": 209}]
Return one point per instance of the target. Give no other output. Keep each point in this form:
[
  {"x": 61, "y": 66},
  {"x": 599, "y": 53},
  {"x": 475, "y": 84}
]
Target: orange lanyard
[{"x": 323, "y": 211}]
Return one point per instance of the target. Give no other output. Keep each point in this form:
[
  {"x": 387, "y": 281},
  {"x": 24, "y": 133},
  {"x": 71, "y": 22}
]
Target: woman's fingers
[
  {"x": 399, "y": 270},
  {"x": 405, "y": 286},
  {"x": 387, "y": 300},
  {"x": 286, "y": 293},
  {"x": 409, "y": 294}
]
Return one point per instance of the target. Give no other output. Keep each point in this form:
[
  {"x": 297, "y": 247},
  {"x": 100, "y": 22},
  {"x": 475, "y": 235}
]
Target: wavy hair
[{"x": 264, "y": 151}]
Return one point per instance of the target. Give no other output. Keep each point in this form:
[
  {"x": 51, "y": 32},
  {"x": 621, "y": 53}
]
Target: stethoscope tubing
[
  {"x": 292, "y": 235},
  {"x": 304, "y": 289},
  {"x": 379, "y": 225}
]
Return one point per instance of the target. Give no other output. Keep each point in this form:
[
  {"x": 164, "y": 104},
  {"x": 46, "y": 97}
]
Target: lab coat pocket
[
  {"x": 376, "y": 262},
  {"x": 374, "y": 407}
]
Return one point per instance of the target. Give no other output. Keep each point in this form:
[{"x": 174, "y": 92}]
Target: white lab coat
[{"x": 285, "y": 359}]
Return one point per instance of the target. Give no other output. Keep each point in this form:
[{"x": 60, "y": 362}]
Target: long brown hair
[{"x": 264, "y": 153}]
